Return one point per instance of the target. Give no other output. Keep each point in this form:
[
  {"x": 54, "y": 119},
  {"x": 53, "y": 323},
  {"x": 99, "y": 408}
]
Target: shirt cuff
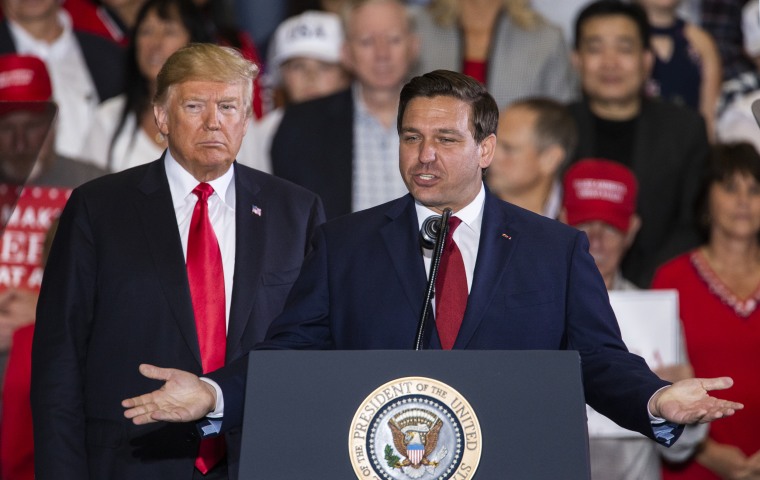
[
  {"x": 665, "y": 432},
  {"x": 652, "y": 418},
  {"x": 218, "y": 411}
]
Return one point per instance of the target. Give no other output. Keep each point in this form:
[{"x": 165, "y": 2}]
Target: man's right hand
[{"x": 183, "y": 398}]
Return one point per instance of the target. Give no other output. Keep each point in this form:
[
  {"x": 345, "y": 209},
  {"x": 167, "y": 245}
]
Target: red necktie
[
  {"x": 206, "y": 276},
  {"x": 450, "y": 290}
]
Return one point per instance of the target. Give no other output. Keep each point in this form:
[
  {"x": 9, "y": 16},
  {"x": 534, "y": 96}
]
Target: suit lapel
[
  {"x": 155, "y": 208},
  {"x": 250, "y": 238},
  {"x": 402, "y": 242},
  {"x": 498, "y": 240}
]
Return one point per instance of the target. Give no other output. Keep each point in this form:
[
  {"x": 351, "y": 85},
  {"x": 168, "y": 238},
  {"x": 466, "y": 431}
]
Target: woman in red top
[{"x": 719, "y": 290}]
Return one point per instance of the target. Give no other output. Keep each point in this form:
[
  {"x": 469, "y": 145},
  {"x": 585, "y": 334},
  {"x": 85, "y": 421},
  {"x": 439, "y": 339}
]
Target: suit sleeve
[
  {"x": 305, "y": 322},
  {"x": 616, "y": 383},
  {"x": 64, "y": 317},
  {"x": 232, "y": 378}
]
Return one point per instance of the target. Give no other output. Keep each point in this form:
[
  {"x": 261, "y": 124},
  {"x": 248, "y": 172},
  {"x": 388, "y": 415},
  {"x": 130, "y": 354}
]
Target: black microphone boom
[{"x": 437, "y": 234}]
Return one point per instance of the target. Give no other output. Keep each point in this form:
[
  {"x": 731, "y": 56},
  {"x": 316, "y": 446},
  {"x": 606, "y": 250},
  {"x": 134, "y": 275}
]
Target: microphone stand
[{"x": 443, "y": 230}]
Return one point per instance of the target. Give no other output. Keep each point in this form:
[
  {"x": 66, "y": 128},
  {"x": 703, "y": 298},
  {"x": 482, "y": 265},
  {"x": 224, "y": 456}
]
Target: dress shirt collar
[
  {"x": 182, "y": 183},
  {"x": 471, "y": 215}
]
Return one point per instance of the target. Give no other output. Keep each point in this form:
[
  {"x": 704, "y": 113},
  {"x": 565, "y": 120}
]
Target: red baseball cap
[
  {"x": 599, "y": 189},
  {"x": 23, "y": 78}
]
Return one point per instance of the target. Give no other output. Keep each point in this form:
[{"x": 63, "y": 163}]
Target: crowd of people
[{"x": 650, "y": 98}]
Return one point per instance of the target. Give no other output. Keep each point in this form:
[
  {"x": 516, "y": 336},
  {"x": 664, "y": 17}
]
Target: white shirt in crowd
[{"x": 73, "y": 87}]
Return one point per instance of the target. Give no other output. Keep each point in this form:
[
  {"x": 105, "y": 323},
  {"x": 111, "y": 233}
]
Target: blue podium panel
[{"x": 305, "y": 409}]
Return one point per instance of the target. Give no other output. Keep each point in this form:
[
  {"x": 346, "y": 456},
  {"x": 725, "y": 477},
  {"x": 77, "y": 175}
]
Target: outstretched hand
[
  {"x": 183, "y": 398},
  {"x": 688, "y": 401}
]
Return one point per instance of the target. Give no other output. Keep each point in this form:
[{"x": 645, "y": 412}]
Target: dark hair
[
  {"x": 723, "y": 162},
  {"x": 484, "y": 114},
  {"x": 554, "y": 124},
  {"x": 606, "y": 8},
  {"x": 297, "y": 7},
  {"x": 138, "y": 92},
  {"x": 221, "y": 23}
]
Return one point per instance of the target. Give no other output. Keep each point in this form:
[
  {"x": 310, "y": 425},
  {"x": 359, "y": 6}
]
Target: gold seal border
[{"x": 400, "y": 387}]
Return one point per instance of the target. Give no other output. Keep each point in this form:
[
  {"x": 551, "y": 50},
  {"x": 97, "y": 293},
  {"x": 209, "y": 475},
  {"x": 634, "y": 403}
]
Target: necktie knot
[{"x": 203, "y": 191}]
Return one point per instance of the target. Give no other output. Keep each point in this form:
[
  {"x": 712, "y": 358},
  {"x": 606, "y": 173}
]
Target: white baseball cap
[{"x": 311, "y": 34}]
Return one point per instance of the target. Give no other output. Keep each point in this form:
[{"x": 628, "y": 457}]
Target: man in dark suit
[
  {"x": 664, "y": 144},
  {"x": 116, "y": 290},
  {"x": 531, "y": 281},
  {"x": 343, "y": 146}
]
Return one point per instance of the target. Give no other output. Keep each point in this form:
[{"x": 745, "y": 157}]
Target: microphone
[
  {"x": 429, "y": 231},
  {"x": 434, "y": 230}
]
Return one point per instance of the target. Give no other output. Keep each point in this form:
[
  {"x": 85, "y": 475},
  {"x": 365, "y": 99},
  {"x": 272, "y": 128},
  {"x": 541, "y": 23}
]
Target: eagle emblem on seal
[{"x": 415, "y": 437}]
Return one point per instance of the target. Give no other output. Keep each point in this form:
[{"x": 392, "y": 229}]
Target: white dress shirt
[
  {"x": 466, "y": 236},
  {"x": 131, "y": 148},
  {"x": 73, "y": 88},
  {"x": 221, "y": 209}
]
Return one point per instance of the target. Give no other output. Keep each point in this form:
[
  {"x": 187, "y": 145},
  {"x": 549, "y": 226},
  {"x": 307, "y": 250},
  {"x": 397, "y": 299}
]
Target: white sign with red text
[{"x": 27, "y": 222}]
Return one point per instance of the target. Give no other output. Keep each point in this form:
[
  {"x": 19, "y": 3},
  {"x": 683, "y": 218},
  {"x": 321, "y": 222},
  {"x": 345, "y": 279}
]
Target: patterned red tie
[
  {"x": 206, "y": 276},
  {"x": 450, "y": 290}
]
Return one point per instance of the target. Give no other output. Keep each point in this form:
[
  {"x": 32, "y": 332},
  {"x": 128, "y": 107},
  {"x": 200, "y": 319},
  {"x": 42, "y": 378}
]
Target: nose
[
  {"x": 382, "y": 47},
  {"x": 594, "y": 234},
  {"x": 311, "y": 73},
  {"x": 609, "y": 57},
  {"x": 151, "y": 41},
  {"x": 427, "y": 152},
  {"x": 211, "y": 119}
]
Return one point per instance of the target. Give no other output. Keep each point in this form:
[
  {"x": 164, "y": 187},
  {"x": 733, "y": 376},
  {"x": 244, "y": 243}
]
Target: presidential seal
[{"x": 415, "y": 428}]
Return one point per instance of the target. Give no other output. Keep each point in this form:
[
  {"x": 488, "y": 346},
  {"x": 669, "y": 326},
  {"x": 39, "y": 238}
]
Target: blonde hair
[
  {"x": 206, "y": 62},
  {"x": 445, "y": 12}
]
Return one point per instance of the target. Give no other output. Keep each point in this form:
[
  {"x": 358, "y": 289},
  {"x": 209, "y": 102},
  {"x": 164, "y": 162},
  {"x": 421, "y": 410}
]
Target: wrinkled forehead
[{"x": 206, "y": 90}]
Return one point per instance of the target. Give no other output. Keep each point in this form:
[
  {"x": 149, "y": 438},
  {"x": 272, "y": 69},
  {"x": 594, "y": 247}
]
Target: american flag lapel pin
[
  {"x": 255, "y": 210},
  {"x": 506, "y": 236}
]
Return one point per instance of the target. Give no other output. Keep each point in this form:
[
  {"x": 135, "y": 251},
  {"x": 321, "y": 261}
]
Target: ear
[
  {"x": 487, "y": 148},
  {"x": 248, "y": 122},
  {"x": 633, "y": 229},
  {"x": 550, "y": 159},
  {"x": 162, "y": 119}
]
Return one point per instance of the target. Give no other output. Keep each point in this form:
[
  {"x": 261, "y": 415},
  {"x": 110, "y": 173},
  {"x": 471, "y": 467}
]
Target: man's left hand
[{"x": 688, "y": 401}]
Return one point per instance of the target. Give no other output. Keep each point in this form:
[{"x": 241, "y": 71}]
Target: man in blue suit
[{"x": 531, "y": 283}]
